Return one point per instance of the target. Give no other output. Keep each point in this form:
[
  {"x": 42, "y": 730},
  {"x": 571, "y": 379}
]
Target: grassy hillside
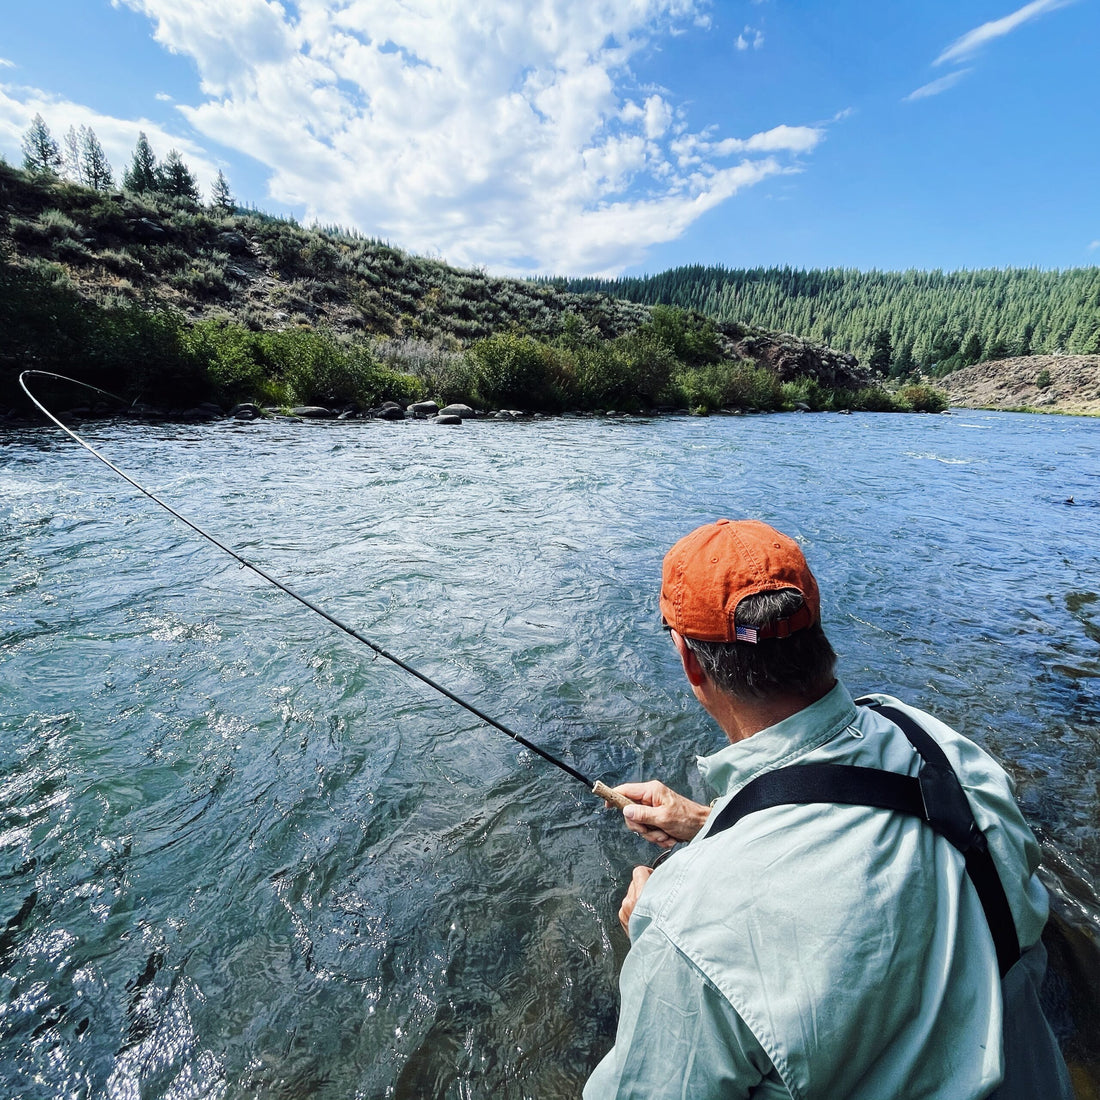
[{"x": 176, "y": 302}]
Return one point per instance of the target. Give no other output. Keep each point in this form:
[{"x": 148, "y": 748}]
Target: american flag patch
[{"x": 745, "y": 634}]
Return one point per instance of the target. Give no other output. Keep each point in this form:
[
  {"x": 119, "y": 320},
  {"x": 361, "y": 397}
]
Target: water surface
[{"x": 241, "y": 856}]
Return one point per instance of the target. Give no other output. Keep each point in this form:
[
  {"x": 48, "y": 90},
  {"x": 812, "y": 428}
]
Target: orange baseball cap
[{"x": 709, "y": 572}]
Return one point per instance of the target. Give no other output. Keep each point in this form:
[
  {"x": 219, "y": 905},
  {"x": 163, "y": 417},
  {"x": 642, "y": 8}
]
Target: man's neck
[{"x": 740, "y": 719}]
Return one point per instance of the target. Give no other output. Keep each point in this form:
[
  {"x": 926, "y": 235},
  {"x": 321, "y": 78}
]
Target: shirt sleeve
[{"x": 678, "y": 1037}]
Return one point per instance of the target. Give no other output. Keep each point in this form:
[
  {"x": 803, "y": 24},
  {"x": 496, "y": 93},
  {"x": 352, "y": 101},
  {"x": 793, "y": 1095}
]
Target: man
[{"x": 817, "y": 949}]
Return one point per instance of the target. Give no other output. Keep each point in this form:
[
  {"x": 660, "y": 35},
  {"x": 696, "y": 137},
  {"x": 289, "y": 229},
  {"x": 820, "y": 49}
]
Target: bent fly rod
[{"x": 598, "y": 788}]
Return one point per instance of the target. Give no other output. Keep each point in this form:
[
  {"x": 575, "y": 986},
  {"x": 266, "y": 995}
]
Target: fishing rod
[{"x": 598, "y": 788}]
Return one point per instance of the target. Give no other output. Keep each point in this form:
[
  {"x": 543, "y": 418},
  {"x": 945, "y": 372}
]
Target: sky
[{"x": 610, "y": 137}]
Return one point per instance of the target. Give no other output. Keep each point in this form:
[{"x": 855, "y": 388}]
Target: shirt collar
[{"x": 732, "y": 767}]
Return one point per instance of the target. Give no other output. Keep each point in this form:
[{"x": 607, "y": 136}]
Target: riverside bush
[
  {"x": 921, "y": 398},
  {"x": 868, "y": 399},
  {"x": 730, "y": 384},
  {"x": 235, "y": 363},
  {"x": 124, "y": 349},
  {"x": 444, "y": 373},
  {"x": 806, "y": 391},
  {"x": 512, "y": 369},
  {"x": 298, "y": 366},
  {"x": 628, "y": 372}
]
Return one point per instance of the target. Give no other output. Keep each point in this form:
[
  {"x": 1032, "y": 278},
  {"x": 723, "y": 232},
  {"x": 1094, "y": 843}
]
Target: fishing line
[{"x": 598, "y": 788}]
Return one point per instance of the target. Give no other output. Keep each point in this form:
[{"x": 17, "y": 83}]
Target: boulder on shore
[
  {"x": 423, "y": 409},
  {"x": 312, "y": 412},
  {"x": 463, "y": 411},
  {"x": 446, "y": 418},
  {"x": 206, "y": 411},
  {"x": 389, "y": 410}
]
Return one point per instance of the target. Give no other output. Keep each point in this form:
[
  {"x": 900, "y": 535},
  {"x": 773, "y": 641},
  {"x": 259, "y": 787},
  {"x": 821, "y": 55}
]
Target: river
[{"x": 242, "y": 856}]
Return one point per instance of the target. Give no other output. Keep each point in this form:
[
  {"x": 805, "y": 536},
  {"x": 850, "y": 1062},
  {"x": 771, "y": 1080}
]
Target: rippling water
[{"x": 241, "y": 856}]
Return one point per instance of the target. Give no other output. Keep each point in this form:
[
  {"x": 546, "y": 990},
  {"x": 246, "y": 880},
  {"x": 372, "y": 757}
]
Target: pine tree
[
  {"x": 903, "y": 364},
  {"x": 74, "y": 169},
  {"x": 94, "y": 163},
  {"x": 41, "y": 154},
  {"x": 142, "y": 175},
  {"x": 882, "y": 352},
  {"x": 972, "y": 350},
  {"x": 221, "y": 198},
  {"x": 175, "y": 178},
  {"x": 1025, "y": 339}
]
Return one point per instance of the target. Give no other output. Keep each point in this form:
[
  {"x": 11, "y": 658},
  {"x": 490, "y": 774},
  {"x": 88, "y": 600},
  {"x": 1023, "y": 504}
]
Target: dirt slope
[{"x": 1074, "y": 385}]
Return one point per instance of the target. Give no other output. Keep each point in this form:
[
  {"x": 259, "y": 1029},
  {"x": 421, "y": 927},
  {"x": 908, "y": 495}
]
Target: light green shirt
[{"x": 823, "y": 951}]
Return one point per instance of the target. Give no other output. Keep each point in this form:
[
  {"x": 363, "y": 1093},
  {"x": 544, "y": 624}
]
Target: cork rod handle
[{"x": 602, "y": 790}]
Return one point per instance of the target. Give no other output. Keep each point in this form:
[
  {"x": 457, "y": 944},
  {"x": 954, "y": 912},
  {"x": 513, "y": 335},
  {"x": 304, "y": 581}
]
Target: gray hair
[{"x": 802, "y": 664}]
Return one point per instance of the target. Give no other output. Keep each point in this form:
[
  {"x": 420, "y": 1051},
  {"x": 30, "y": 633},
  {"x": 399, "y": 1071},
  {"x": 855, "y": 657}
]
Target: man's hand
[
  {"x": 637, "y": 883},
  {"x": 660, "y": 815}
]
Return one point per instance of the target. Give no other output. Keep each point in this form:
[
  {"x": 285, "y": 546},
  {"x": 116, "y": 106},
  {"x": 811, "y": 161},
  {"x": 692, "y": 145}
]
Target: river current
[{"x": 241, "y": 856}]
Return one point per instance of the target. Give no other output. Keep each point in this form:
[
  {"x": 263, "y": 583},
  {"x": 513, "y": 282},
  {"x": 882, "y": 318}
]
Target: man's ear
[{"x": 693, "y": 670}]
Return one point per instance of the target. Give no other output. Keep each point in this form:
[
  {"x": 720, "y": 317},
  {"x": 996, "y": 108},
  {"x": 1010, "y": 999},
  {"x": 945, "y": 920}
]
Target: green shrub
[
  {"x": 730, "y": 383},
  {"x": 376, "y": 317},
  {"x": 316, "y": 369},
  {"x": 921, "y": 398},
  {"x": 691, "y": 337},
  {"x": 46, "y": 272},
  {"x": 284, "y": 250},
  {"x": 629, "y": 372},
  {"x": 444, "y": 373},
  {"x": 46, "y": 230},
  {"x": 204, "y": 278},
  {"x": 806, "y": 391},
  {"x": 69, "y": 250},
  {"x": 56, "y": 226},
  {"x": 869, "y": 399},
  {"x": 1043, "y": 379},
  {"x": 234, "y": 361},
  {"x": 121, "y": 262},
  {"x": 510, "y": 369},
  {"x": 319, "y": 257}
]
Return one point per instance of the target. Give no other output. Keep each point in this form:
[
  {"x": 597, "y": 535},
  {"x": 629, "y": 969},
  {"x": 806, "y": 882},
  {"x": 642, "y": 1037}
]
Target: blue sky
[{"x": 604, "y": 136}]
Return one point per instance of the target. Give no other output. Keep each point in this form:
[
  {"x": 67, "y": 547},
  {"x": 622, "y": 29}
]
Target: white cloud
[
  {"x": 489, "y": 132},
  {"x": 936, "y": 86},
  {"x": 19, "y": 105},
  {"x": 750, "y": 38},
  {"x": 788, "y": 139},
  {"x": 658, "y": 117},
  {"x": 973, "y": 41},
  {"x": 6, "y": 64},
  {"x": 1094, "y": 245}
]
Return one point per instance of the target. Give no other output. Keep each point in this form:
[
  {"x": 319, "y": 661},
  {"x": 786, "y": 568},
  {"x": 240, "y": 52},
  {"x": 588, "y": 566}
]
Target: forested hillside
[{"x": 892, "y": 321}]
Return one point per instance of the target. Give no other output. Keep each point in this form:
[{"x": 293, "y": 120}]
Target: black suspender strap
[
  {"x": 935, "y": 795},
  {"x": 948, "y": 812}
]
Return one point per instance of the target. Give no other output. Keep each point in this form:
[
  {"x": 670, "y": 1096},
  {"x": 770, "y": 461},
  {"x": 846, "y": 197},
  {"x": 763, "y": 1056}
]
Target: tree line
[
  {"x": 80, "y": 158},
  {"x": 896, "y": 322}
]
